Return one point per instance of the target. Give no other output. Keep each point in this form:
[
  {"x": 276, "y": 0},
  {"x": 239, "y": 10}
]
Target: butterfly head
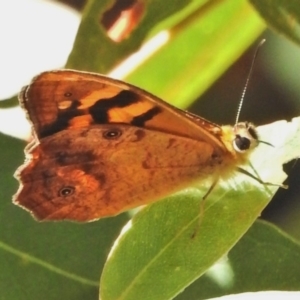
[
  {"x": 245, "y": 137},
  {"x": 240, "y": 140}
]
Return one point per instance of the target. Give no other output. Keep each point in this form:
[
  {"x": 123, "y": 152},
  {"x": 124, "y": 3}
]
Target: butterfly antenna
[{"x": 247, "y": 81}]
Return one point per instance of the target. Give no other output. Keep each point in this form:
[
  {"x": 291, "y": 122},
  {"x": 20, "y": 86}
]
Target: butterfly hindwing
[{"x": 85, "y": 174}]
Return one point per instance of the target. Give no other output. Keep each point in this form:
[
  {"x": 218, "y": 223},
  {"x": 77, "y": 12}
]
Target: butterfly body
[{"x": 102, "y": 146}]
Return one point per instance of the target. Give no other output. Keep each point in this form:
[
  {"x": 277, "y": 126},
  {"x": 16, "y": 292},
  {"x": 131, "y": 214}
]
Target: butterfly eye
[
  {"x": 68, "y": 94},
  {"x": 241, "y": 144},
  {"x": 66, "y": 191},
  {"x": 112, "y": 134}
]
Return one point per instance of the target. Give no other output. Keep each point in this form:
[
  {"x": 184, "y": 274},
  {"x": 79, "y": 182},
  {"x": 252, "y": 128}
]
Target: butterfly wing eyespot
[
  {"x": 112, "y": 134},
  {"x": 68, "y": 94},
  {"x": 66, "y": 191}
]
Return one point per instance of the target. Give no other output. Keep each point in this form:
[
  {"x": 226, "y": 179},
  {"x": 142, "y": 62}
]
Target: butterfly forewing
[{"x": 65, "y": 99}]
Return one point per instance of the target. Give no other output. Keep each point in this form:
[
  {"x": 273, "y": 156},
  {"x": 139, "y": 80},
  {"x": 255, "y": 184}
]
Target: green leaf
[
  {"x": 264, "y": 259},
  {"x": 166, "y": 248},
  {"x": 281, "y": 15},
  {"x": 47, "y": 260},
  {"x": 189, "y": 62},
  {"x": 95, "y": 51},
  {"x": 10, "y": 102},
  {"x": 200, "y": 49}
]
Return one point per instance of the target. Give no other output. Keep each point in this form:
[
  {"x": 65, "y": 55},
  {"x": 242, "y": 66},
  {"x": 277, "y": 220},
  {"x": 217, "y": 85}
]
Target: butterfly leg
[
  {"x": 201, "y": 207},
  {"x": 245, "y": 172},
  {"x": 210, "y": 189}
]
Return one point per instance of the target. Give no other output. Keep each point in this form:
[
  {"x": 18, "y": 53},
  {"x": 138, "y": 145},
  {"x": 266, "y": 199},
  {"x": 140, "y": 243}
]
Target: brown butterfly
[{"x": 102, "y": 146}]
